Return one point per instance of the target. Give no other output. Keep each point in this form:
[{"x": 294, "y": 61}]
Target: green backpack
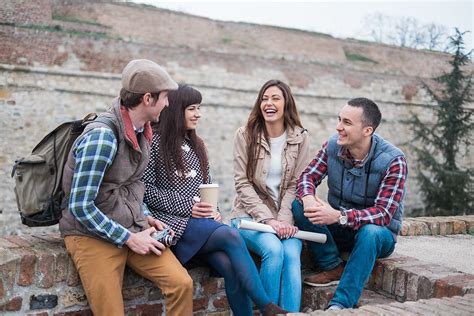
[{"x": 38, "y": 177}]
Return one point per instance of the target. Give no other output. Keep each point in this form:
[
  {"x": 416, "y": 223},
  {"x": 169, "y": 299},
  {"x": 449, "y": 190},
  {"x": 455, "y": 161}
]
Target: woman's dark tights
[{"x": 226, "y": 252}]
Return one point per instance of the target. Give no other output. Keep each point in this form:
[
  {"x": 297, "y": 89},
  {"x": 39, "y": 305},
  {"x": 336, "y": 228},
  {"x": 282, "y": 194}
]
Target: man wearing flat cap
[{"x": 105, "y": 225}]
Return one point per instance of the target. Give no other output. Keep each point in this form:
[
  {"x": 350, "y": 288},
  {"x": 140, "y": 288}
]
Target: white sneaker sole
[{"x": 321, "y": 284}]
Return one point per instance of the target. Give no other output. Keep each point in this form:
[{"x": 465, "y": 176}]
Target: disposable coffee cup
[{"x": 210, "y": 194}]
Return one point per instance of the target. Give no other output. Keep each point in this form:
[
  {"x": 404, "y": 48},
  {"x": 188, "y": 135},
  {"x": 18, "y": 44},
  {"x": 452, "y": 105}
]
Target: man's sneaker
[{"x": 325, "y": 278}]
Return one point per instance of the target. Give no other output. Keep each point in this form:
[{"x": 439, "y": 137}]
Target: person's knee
[
  {"x": 273, "y": 251},
  {"x": 370, "y": 233},
  {"x": 232, "y": 236},
  {"x": 182, "y": 282},
  {"x": 298, "y": 211},
  {"x": 292, "y": 252}
]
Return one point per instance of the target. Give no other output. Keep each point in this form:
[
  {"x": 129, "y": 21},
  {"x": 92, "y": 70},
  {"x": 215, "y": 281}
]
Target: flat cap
[{"x": 143, "y": 75}]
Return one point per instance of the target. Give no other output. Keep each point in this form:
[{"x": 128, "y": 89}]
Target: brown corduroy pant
[{"x": 101, "y": 267}]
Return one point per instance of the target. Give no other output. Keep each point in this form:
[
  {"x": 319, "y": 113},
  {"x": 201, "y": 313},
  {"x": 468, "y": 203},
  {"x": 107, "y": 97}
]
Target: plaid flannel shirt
[
  {"x": 94, "y": 153},
  {"x": 388, "y": 197}
]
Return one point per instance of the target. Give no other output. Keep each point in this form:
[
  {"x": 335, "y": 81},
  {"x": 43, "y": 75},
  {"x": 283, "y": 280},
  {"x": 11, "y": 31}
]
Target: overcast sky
[{"x": 339, "y": 18}]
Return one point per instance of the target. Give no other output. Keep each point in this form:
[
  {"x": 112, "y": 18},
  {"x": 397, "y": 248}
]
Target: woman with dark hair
[
  {"x": 178, "y": 165},
  {"x": 270, "y": 153}
]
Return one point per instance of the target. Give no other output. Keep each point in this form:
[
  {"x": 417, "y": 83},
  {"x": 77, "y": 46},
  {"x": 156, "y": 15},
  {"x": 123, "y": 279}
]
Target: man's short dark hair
[
  {"x": 371, "y": 115},
  {"x": 130, "y": 99}
]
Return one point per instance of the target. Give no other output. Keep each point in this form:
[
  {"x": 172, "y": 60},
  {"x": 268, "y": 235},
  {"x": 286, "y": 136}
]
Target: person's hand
[
  {"x": 153, "y": 222},
  {"x": 142, "y": 243},
  {"x": 283, "y": 230},
  {"x": 322, "y": 213},
  {"x": 202, "y": 210},
  {"x": 218, "y": 217},
  {"x": 309, "y": 206}
]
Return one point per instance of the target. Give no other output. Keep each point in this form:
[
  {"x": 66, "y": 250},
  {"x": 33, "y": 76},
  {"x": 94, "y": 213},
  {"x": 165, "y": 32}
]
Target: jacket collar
[
  {"x": 293, "y": 136},
  {"x": 127, "y": 125}
]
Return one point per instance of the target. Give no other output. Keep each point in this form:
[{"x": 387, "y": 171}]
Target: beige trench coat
[{"x": 252, "y": 197}]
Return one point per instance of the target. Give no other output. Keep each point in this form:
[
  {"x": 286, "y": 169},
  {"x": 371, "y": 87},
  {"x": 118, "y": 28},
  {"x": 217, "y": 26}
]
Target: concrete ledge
[
  {"x": 449, "y": 225},
  {"x": 37, "y": 277}
]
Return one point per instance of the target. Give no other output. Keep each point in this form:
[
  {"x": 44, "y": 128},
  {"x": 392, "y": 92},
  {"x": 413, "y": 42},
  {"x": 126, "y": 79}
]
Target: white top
[{"x": 273, "y": 179}]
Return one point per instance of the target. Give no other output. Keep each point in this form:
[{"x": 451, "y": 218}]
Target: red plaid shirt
[{"x": 388, "y": 198}]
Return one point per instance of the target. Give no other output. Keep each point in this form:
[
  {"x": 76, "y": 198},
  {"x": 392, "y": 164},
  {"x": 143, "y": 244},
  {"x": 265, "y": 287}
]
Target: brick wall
[{"x": 37, "y": 277}]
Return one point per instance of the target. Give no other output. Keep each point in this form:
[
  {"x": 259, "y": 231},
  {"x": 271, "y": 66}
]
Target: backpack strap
[{"x": 110, "y": 124}]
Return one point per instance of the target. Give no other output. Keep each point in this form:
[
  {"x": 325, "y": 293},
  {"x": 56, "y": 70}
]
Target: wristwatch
[{"x": 343, "y": 218}]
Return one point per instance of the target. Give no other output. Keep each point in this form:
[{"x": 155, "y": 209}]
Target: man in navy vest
[{"x": 363, "y": 215}]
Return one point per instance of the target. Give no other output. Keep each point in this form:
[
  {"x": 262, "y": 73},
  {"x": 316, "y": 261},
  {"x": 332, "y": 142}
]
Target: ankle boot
[{"x": 272, "y": 310}]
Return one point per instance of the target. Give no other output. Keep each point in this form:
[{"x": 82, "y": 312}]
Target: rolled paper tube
[{"x": 310, "y": 236}]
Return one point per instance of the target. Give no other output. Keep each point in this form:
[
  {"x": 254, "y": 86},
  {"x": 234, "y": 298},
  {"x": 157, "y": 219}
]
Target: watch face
[{"x": 343, "y": 220}]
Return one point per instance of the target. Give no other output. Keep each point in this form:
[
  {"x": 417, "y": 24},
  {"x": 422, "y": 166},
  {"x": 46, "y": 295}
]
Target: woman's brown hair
[
  {"x": 255, "y": 127},
  {"x": 172, "y": 130}
]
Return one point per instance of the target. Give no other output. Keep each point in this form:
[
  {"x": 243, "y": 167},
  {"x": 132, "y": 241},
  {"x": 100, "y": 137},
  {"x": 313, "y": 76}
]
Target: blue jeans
[
  {"x": 366, "y": 245},
  {"x": 280, "y": 270}
]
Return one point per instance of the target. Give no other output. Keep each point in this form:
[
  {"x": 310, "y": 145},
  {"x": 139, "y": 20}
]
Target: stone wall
[
  {"x": 34, "y": 100},
  {"x": 72, "y": 66}
]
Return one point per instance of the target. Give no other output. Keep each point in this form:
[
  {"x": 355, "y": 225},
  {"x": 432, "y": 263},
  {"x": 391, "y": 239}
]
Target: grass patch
[
  {"x": 59, "y": 29},
  {"x": 76, "y": 20},
  {"x": 226, "y": 40},
  {"x": 357, "y": 57}
]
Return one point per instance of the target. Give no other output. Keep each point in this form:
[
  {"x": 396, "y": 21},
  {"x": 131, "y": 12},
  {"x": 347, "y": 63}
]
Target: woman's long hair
[
  {"x": 172, "y": 130},
  {"x": 255, "y": 127}
]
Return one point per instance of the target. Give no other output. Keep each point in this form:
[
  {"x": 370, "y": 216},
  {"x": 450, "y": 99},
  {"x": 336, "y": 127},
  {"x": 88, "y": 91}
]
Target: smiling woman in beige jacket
[{"x": 270, "y": 153}]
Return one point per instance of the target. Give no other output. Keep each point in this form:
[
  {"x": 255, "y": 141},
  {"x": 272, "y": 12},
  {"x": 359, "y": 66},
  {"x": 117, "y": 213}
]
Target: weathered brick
[
  {"x": 388, "y": 279},
  {"x": 421, "y": 228},
  {"x": 133, "y": 293},
  {"x": 394, "y": 309},
  {"x": 209, "y": 286},
  {"x": 6, "y": 244},
  {"x": 200, "y": 303},
  {"x": 459, "y": 227},
  {"x": 325, "y": 295},
  {"x": 220, "y": 302},
  {"x": 82, "y": 312},
  {"x": 131, "y": 278},
  {"x": 74, "y": 297},
  {"x": 469, "y": 225},
  {"x": 379, "y": 310},
  {"x": 62, "y": 261},
  {"x": 377, "y": 274},
  {"x": 425, "y": 287},
  {"x": 12, "y": 305},
  {"x": 8, "y": 271},
  {"x": 434, "y": 228},
  {"x": 38, "y": 314},
  {"x": 405, "y": 227},
  {"x": 442, "y": 306},
  {"x": 457, "y": 284},
  {"x": 410, "y": 307},
  {"x": 155, "y": 294},
  {"x": 459, "y": 308},
  {"x": 27, "y": 269},
  {"x": 43, "y": 301},
  {"x": 20, "y": 241},
  {"x": 45, "y": 270},
  {"x": 144, "y": 310},
  {"x": 412, "y": 287},
  {"x": 2, "y": 290},
  {"x": 400, "y": 284},
  {"x": 72, "y": 278},
  {"x": 442, "y": 228}
]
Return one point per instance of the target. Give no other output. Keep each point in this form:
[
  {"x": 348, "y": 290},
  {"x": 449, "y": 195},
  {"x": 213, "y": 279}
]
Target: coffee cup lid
[{"x": 209, "y": 185}]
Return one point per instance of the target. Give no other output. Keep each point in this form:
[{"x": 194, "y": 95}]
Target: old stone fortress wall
[{"x": 60, "y": 60}]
